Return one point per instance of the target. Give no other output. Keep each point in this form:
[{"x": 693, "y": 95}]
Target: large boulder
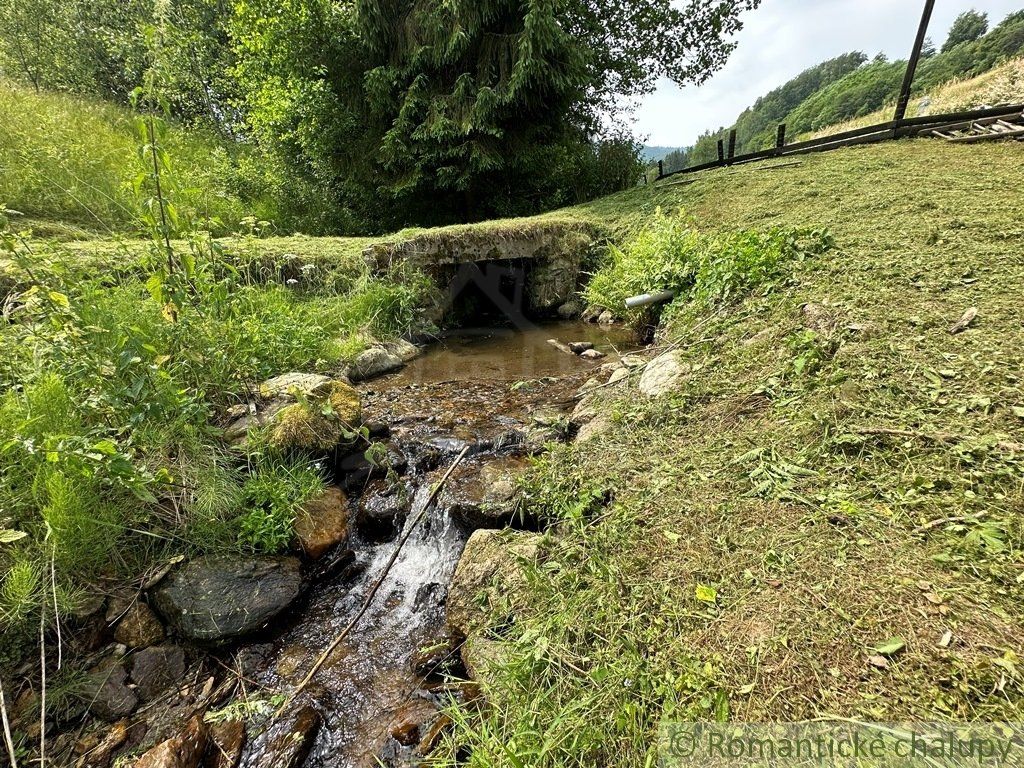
[
  {"x": 322, "y": 523},
  {"x": 221, "y": 597},
  {"x": 663, "y": 374},
  {"x": 372, "y": 362},
  {"x": 489, "y": 577}
]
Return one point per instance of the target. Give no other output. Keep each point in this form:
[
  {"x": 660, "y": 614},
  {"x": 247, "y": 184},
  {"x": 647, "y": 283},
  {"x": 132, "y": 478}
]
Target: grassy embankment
[
  {"x": 1002, "y": 85},
  {"x": 825, "y": 519}
]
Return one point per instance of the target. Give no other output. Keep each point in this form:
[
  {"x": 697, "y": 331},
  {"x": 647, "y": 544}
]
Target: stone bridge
[{"x": 483, "y": 272}]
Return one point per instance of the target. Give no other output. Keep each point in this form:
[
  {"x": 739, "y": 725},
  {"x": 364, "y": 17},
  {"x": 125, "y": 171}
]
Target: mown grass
[{"x": 837, "y": 471}]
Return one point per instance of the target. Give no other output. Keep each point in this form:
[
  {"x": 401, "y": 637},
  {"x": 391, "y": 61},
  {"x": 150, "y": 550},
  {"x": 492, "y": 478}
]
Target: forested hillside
[{"x": 850, "y": 86}]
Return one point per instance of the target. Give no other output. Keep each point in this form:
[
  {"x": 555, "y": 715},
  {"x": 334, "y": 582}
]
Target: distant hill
[
  {"x": 651, "y": 154},
  {"x": 851, "y": 87}
]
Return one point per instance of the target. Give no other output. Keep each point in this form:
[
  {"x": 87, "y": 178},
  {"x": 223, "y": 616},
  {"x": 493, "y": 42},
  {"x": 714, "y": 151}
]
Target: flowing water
[{"x": 472, "y": 388}]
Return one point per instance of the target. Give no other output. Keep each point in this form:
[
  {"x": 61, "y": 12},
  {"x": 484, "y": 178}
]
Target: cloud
[{"x": 781, "y": 39}]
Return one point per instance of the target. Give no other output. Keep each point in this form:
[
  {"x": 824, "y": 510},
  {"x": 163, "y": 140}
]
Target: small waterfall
[{"x": 367, "y": 679}]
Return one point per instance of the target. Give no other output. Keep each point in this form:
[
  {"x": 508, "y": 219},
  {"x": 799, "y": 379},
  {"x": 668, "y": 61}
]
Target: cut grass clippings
[{"x": 825, "y": 519}]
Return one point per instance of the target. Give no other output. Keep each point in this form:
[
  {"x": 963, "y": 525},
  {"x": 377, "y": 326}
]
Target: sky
[{"x": 781, "y": 39}]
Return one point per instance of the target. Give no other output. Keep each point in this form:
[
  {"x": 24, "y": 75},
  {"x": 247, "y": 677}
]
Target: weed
[
  {"x": 272, "y": 497},
  {"x": 702, "y": 270}
]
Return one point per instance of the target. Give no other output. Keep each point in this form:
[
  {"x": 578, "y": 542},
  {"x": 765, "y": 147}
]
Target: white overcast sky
[{"x": 781, "y": 39}]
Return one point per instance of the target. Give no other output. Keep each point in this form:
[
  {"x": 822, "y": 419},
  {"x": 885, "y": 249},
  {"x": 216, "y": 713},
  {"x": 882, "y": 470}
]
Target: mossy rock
[
  {"x": 302, "y": 426},
  {"x": 318, "y": 424},
  {"x": 345, "y": 402}
]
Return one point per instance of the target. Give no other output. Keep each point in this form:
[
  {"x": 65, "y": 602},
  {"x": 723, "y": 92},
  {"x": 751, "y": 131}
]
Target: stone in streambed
[
  {"x": 373, "y": 362},
  {"x": 411, "y": 717},
  {"x": 592, "y": 354},
  {"x": 382, "y": 509},
  {"x": 618, "y": 375},
  {"x": 222, "y": 597},
  {"x": 106, "y": 690},
  {"x": 139, "y": 627},
  {"x": 156, "y": 669},
  {"x": 227, "y": 740},
  {"x": 483, "y": 497},
  {"x": 570, "y": 310},
  {"x": 289, "y": 742},
  {"x": 322, "y": 523},
  {"x": 579, "y": 347},
  {"x": 185, "y": 750}
]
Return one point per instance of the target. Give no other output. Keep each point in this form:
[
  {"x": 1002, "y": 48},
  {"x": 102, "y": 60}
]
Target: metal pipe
[{"x": 644, "y": 299}]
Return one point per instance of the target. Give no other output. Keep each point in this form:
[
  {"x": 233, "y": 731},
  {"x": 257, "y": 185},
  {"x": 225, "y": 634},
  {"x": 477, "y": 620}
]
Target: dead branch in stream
[{"x": 376, "y": 585}]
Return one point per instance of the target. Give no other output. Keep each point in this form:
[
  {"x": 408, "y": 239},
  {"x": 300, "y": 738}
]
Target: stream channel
[{"x": 498, "y": 391}]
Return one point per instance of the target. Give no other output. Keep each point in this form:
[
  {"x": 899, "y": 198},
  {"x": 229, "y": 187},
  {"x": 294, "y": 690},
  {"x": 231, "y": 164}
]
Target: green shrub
[
  {"x": 272, "y": 497},
  {"x": 702, "y": 270}
]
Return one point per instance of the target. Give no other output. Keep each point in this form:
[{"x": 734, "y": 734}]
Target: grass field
[
  {"x": 70, "y": 164},
  {"x": 825, "y": 520}
]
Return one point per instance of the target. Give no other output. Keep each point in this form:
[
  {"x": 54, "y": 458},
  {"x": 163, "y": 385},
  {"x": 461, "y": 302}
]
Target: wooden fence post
[
  {"x": 732, "y": 143},
  {"x": 915, "y": 56},
  {"x": 661, "y": 169},
  {"x": 721, "y": 151},
  {"x": 780, "y": 136}
]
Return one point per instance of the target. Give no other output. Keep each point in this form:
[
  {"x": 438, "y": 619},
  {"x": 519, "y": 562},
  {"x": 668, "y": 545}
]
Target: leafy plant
[
  {"x": 272, "y": 497},
  {"x": 701, "y": 269}
]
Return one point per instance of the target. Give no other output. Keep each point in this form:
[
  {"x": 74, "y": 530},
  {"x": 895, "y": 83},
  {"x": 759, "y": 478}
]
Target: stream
[{"x": 375, "y": 698}]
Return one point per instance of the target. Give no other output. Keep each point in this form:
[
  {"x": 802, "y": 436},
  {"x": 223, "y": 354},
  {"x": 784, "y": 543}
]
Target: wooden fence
[
  {"x": 894, "y": 129},
  {"x": 898, "y": 127}
]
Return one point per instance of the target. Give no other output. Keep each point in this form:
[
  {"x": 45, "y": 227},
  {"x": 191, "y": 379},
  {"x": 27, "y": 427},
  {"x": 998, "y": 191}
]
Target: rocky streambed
[{"x": 194, "y": 668}]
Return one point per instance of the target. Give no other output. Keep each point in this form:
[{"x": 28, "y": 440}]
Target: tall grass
[
  {"x": 72, "y": 160},
  {"x": 110, "y": 451}
]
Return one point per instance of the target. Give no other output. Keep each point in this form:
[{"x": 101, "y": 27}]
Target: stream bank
[{"x": 259, "y": 624}]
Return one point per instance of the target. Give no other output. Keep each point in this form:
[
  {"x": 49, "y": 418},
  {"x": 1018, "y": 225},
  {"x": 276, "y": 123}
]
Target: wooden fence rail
[
  {"x": 898, "y": 127},
  {"x": 893, "y": 129}
]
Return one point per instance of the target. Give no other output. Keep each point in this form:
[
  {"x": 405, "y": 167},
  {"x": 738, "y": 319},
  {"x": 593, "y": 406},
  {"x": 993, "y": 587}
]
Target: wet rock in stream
[
  {"x": 155, "y": 669},
  {"x": 322, "y": 523},
  {"x": 226, "y": 742},
  {"x": 107, "y": 690},
  {"x": 289, "y": 741},
  {"x": 483, "y": 497},
  {"x": 222, "y": 597},
  {"x": 185, "y": 750},
  {"x": 383, "y": 507}
]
